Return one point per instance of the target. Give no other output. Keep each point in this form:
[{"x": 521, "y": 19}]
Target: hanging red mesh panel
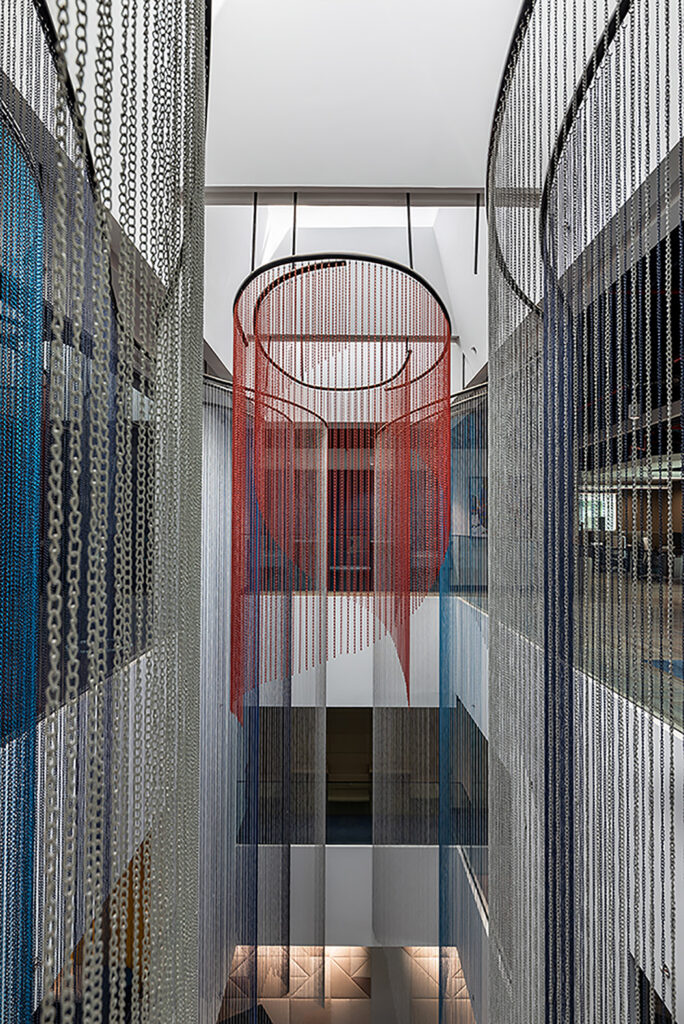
[{"x": 341, "y": 462}]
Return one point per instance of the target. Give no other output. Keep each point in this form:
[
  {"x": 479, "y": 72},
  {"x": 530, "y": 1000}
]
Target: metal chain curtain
[
  {"x": 340, "y": 524},
  {"x": 341, "y": 411},
  {"x": 586, "y": 662},
  {"x": 220, "y": 746},
  {"x": 463, "y": 716},
  {"x": 101, "y": 220}
]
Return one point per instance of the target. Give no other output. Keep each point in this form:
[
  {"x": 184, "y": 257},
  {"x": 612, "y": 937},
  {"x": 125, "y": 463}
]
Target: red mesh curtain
[{"x": 340, "y": 462}]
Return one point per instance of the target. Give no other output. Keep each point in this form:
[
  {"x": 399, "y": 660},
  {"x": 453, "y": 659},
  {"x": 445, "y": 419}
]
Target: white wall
[
  {"x": 349, "y": 896},
  {"x": 366, "y": 889},
  {"x": 466, "y": 291},
  {"x": 349, "y": 677},
  {"x": 624, "y": 740},
  {"x": 626, "y": 760},
  {"x": 406, "y": 895},
  {"x": 227, "y": 252},
  {"x": 470, "y": 627}
]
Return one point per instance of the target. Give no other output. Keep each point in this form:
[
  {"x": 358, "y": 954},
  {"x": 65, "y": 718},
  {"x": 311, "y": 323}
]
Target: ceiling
[{"x": 353, "y": 94}]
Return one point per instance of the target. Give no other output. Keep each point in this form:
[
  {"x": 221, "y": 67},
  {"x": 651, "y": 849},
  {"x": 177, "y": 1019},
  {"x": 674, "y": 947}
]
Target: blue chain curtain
[
  {"x": 464, "y": 637},
  {"x": 21, "y": 369}
]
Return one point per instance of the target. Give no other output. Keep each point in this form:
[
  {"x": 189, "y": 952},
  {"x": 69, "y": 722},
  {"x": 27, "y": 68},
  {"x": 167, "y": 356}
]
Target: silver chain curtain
[
  {"x": 586, "y": 760},
  {"x": 101, "y": 245}
]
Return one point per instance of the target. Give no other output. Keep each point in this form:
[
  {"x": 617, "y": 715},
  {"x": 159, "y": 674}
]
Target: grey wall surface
[{"x": 356, "y": 896}]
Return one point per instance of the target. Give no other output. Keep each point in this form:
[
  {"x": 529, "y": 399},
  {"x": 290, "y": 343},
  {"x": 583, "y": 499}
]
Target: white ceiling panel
[{"x": 354, "y": 92}]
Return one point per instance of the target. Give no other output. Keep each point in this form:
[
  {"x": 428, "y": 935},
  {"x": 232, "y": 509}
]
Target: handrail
[
  {"x": 480, "y": 391},
  {"x": 217, "y": 382}
]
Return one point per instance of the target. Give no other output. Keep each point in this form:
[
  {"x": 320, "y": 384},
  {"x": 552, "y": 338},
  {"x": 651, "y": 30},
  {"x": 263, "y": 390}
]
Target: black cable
[
  {"x": 409, "y": 229},
  {"x": 294, "y": 223},
  {"x": 477, "y": 230},
  {"x": 254, "y": 227}
]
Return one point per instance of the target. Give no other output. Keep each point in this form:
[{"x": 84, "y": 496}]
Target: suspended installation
[
  {"x": 101, "y": 222},
  {"x": 341, "y": 505},
  {"x": 342, "y": 484},
  {"x": 586, "y": 203}
]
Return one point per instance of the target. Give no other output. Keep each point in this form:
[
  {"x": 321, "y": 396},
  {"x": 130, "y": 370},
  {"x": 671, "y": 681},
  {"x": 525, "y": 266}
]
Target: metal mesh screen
[{"x": 586, "y": 338}]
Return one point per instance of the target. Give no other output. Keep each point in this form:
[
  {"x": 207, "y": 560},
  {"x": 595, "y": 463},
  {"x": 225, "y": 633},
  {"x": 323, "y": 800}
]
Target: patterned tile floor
[{"x": 348, "y": 996}]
